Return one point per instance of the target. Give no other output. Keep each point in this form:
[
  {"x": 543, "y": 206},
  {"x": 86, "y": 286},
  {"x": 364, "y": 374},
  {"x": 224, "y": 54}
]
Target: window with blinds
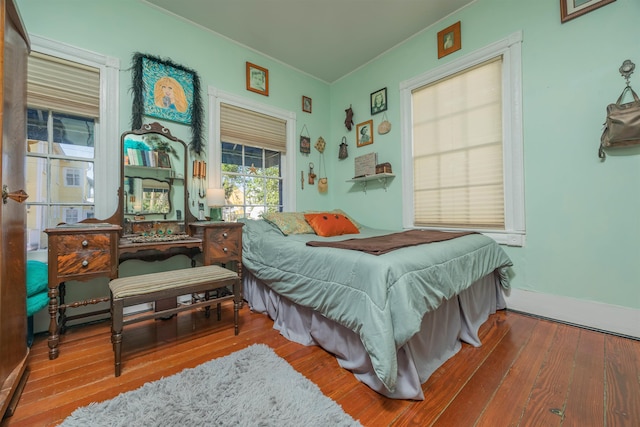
[
  {"x": 458, "y": 150},
  {"x": 63, "y": 99},
  {"x": 251, "y": 161}
]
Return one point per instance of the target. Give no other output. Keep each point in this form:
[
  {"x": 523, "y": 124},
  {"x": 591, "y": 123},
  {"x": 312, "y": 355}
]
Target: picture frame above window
[
  {"x": 364, "y": 133},
  {"x": 379, "y": 101},
  {"x": 257, "y": 79},
  {"x": 306, "y": 104},
  {"x": 449, "y": 40},
  {"x": 570, "y": 9}
]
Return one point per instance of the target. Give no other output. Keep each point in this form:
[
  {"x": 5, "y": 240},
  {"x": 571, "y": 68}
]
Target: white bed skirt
[{"x": 439, "y": 338}]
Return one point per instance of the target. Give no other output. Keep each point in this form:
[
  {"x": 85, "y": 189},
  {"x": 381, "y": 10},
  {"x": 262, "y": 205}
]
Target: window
[
  {"x": 250, "y": 159},
  {"x": 65, "y": 130},
  {"x": 462, "y": 149}
]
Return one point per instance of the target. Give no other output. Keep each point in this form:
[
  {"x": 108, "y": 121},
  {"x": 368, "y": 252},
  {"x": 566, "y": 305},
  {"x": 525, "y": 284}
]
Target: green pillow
[{"x": 289, "y": 222}]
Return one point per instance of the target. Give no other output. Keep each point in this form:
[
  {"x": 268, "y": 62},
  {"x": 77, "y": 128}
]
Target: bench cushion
[{"x": 175, "y": 279}]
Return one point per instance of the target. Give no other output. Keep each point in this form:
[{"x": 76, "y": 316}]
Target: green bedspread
[{"x": 381, "y": 298}]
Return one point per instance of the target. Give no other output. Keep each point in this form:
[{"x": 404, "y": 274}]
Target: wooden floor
[{"x": 529, "y": 372}]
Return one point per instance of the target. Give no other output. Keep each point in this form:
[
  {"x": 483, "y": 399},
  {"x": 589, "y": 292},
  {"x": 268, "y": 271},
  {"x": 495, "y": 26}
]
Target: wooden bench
[{"x": 146, "y": 288}]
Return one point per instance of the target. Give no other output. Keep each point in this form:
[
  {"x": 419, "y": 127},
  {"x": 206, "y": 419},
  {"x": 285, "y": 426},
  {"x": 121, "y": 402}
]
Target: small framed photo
[
  {"x": 257, "y": 79},
  {"x": 379, "y": 101},
  {"x": 306, "y": 104},
  {"x": 449, "y": 40},
  {"x": 364, "y": 133},
  {"x": 570, "y": 9}
]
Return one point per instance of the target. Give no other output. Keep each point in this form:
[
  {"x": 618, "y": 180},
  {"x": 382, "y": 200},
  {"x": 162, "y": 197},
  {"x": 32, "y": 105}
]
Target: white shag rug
[{"x": 251, "y": 387}]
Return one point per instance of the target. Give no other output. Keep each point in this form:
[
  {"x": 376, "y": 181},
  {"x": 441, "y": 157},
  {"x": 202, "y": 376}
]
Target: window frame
[
  {"x": 287, "y": 160},
  {"x": 510, "y": 48}
]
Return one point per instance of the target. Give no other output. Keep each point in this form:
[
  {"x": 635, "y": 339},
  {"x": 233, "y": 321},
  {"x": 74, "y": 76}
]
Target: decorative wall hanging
[
  {"x": 163, "y": 89},
  {"x": 312, "y": 175},
  {"x": 384, "y": 126},
  {"x": 342, "y": 152},
  {"x": 570, "y": 9},
  {"x": 379, "y": 101},
  {"x": 449, "y": 40},
  {"x": 364, "y": 134},
  {"x": 305, "y": 140},
  {"x": 320, "y": 144},
  {"x": 306, "y": 104},
  {"x": 257, "y": 79},
  {"x": 348, "y": 121},
  {"x": 199, "y": 178}
]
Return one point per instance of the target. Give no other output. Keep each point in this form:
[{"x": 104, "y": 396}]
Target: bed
[{"x": 391, "y": 319}]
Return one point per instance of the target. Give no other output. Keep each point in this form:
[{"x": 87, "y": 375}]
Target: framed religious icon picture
[
  {"x": 306, "y": 104},
  {"x": 364, "y": 133},
  {"x": 257, "y": 79},
  {"x": 449, "y": 40},
  {"x": 379, "y": 101}
]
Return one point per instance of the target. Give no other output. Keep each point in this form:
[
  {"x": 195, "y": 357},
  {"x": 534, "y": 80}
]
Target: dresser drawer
[
  {"x": 223, "y": 243},
  {"x": 83, "y": 242},
  {"x": 84, "y": 262}
]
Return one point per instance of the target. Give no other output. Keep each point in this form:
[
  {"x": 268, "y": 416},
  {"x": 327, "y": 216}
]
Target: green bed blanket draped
[{"x": 381, "y": 298}]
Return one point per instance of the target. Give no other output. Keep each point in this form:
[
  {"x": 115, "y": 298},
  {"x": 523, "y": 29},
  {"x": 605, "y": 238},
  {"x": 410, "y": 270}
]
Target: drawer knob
[
  {"x": 85, "y": 243},
  {"x": 225, "y": 249},
  {"x": 225, "y": 235},
  {"x": 85, "y": 263}
]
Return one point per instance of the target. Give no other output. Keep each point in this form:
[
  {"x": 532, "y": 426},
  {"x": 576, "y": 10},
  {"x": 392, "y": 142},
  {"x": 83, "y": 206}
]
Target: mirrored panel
[{"x": 153, "y": 177}]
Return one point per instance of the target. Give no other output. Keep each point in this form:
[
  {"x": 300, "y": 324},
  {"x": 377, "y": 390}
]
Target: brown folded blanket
[{"x": 382, "y": 244}]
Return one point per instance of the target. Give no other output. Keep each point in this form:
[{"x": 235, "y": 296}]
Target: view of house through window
[
  {"x": 60, "y": 172},
  {"x": 252, "y": 180}
]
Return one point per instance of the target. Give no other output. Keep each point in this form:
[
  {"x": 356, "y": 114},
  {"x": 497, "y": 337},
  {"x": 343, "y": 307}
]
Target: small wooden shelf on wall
[{"x": 381, "y": 177}]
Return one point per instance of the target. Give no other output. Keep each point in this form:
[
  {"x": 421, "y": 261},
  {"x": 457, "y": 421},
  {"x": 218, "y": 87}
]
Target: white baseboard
[{"x": 595, "y": 315}]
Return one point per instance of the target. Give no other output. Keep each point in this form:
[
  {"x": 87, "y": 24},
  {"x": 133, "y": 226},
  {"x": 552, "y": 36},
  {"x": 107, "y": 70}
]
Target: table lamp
[{"x": 215, "y": 199}]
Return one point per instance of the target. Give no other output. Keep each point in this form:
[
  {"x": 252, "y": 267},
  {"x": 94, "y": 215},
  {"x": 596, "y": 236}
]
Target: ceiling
[{"x": 326, "y": 39}]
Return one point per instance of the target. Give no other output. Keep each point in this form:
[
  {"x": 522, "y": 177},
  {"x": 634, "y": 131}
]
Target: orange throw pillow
[{"x": 327, "y": 224}]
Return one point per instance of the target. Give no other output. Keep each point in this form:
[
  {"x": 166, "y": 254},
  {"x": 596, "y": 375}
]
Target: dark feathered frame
[{"x": 197, "y": 144}]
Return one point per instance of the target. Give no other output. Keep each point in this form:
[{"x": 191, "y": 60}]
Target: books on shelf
[{"x": 148, "y": 158}]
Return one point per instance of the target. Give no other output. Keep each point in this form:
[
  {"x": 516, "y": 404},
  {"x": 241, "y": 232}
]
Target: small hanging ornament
[
  {"x": 342, "y": 153},
  {"x": 312, "y": 176},
  {"x": 320, "y": 144},
  {"x": 348, "y": 121},
  {"x": 305, "y": 140}
]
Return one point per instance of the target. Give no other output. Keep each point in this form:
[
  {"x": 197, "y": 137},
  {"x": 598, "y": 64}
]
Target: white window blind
[
  {"x": 246, "y": 127},
  {"x": 63, "y": 86},
  {"x": 457, "y": 150}
]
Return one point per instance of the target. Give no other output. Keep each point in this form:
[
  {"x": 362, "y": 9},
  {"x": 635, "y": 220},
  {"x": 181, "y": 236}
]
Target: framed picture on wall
[
  {"x": 570, "y": 9},
  {"x": 449, "y": 40},
  {"x": 257, "y": 79},
  {"x": 364, "y": 133},
  {"x": 306, "y": 104},
  {"x": 379, "y": 101}
]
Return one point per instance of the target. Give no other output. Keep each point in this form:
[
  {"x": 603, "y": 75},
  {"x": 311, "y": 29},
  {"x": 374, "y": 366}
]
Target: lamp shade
[{"x": 215, "y": 197}]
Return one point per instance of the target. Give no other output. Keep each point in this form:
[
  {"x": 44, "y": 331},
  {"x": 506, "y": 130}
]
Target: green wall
[{"x": 582, "y": 215}]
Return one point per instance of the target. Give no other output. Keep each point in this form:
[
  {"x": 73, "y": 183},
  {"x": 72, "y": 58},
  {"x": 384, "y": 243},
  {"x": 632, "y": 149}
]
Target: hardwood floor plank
[
  {"x": 513, "y": 393},
  {"x": 549, "y": 392},
  {"x": 622, "y": 365},
  {"x": 585, "y": 400},
  {"x": 477, "y": 393}
]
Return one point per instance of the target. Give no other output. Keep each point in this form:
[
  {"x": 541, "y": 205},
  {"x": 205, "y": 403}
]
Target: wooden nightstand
[
  {"x": 221, "y": 243},
  {"x": 78, "y": 252}
]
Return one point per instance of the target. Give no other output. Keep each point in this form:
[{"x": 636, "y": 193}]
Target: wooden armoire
[{"x": 13, "y": 317}]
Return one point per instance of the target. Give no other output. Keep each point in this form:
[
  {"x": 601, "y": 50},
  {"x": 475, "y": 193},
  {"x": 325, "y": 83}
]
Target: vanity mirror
[{"x": 153, "y": 192}]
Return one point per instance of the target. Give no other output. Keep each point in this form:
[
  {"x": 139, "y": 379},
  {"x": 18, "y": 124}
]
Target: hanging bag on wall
[{"x": 622, "y": 127}]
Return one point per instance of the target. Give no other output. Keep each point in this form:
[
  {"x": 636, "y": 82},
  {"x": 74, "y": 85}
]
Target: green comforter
[{"x": 381, "y": 298}]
